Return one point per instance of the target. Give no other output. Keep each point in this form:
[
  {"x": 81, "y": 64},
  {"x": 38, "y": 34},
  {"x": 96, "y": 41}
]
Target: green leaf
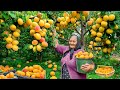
[
  {"x": 0, "y": 71},
  {"x": 111, "y": 25},
  {"x": 13, "y": 15},
  {"x": 5, "y": 16}
]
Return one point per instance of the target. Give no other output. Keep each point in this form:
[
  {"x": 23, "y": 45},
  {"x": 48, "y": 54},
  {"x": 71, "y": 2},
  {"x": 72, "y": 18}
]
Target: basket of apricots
[
  {"x": 10, "y": 75},
  {"x": 6, "y": 69},
  {"x": 104, "y": 71},
  {"x": 31, "y": 72},
  {"x": 82, "y": 58}
]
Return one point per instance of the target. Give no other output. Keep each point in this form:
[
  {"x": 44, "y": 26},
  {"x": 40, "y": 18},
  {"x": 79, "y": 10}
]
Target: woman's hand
[{"x": 87, "y": 67}]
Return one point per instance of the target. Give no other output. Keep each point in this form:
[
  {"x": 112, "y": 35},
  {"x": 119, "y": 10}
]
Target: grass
[{"x": 57, "y": 73}]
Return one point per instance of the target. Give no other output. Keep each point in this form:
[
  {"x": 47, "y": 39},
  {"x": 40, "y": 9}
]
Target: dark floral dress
[{"x": 65, "y": 73}]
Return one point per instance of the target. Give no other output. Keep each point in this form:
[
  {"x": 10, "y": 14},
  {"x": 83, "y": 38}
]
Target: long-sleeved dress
[{"x": 69, "y": 69}]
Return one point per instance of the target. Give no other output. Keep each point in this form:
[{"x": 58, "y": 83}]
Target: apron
[{"x": 65, "y": 73}]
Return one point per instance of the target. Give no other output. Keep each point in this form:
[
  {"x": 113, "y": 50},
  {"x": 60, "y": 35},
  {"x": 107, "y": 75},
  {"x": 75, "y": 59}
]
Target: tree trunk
[
  {"x": 40, "y": 57},
  {"x": 82, "y": 36}
]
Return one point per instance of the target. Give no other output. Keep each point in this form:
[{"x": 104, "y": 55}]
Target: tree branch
[
  {"x": 32, "y": 17},
  {"x": 77, "y": 31},
  {"x": 64, "y": 39},
  {"x": 87, "y": 19},
  {"x": 86, "y": 32},
  {"x": 82, "y": 35},
  {"x": 50, "y": 16}
]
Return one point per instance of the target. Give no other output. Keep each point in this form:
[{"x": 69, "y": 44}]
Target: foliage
[
  {"x": 76, "y": 24},
  {"x": 117, "y": 49},
  {"x": 23, "y": 54}
]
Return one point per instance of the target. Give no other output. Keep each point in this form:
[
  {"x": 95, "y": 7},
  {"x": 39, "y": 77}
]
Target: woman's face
[{"x": 73, "y": 41}]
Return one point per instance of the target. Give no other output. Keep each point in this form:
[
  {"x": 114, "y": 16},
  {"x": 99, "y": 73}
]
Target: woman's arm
[
  {"x": 59, "y": 48},
  {"x": 56, "y": 43},
  {"x": 55, "y": 39}
]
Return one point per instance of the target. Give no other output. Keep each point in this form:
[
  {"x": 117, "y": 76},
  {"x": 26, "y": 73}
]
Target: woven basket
[
  {"x": 25, "y": 77},
  {"x": 9, "y": 72},
  {"x": 22, "y": 77},
  {"x": 5, "y": 73},
  {"x": 105, "y": 75}
]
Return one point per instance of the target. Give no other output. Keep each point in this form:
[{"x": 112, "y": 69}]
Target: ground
[{"x": 114, "y": 61}]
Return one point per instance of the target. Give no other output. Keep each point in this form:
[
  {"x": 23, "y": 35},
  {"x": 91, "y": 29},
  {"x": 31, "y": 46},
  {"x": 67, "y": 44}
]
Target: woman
[{"x": 68, "y": 61}]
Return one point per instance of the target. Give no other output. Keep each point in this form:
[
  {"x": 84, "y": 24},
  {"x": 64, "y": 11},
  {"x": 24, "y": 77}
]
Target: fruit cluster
[
  {"x": 5, "y": 68},
  {"x": 69, "y": 18},
  {"x": 12, "y": 36},
  {"x": 84, "y": 55},
  {"x": 102, "y": 33},
  {"x": 35, "y": 71},
  {"x": 38, "y": 29},
  {"x": 10, "y": 75},
  {"x": 104, "y": 70}
]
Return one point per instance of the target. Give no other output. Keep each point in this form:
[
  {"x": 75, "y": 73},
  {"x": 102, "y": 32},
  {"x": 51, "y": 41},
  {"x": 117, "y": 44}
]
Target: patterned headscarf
[{"x": 78, "y": 46}]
